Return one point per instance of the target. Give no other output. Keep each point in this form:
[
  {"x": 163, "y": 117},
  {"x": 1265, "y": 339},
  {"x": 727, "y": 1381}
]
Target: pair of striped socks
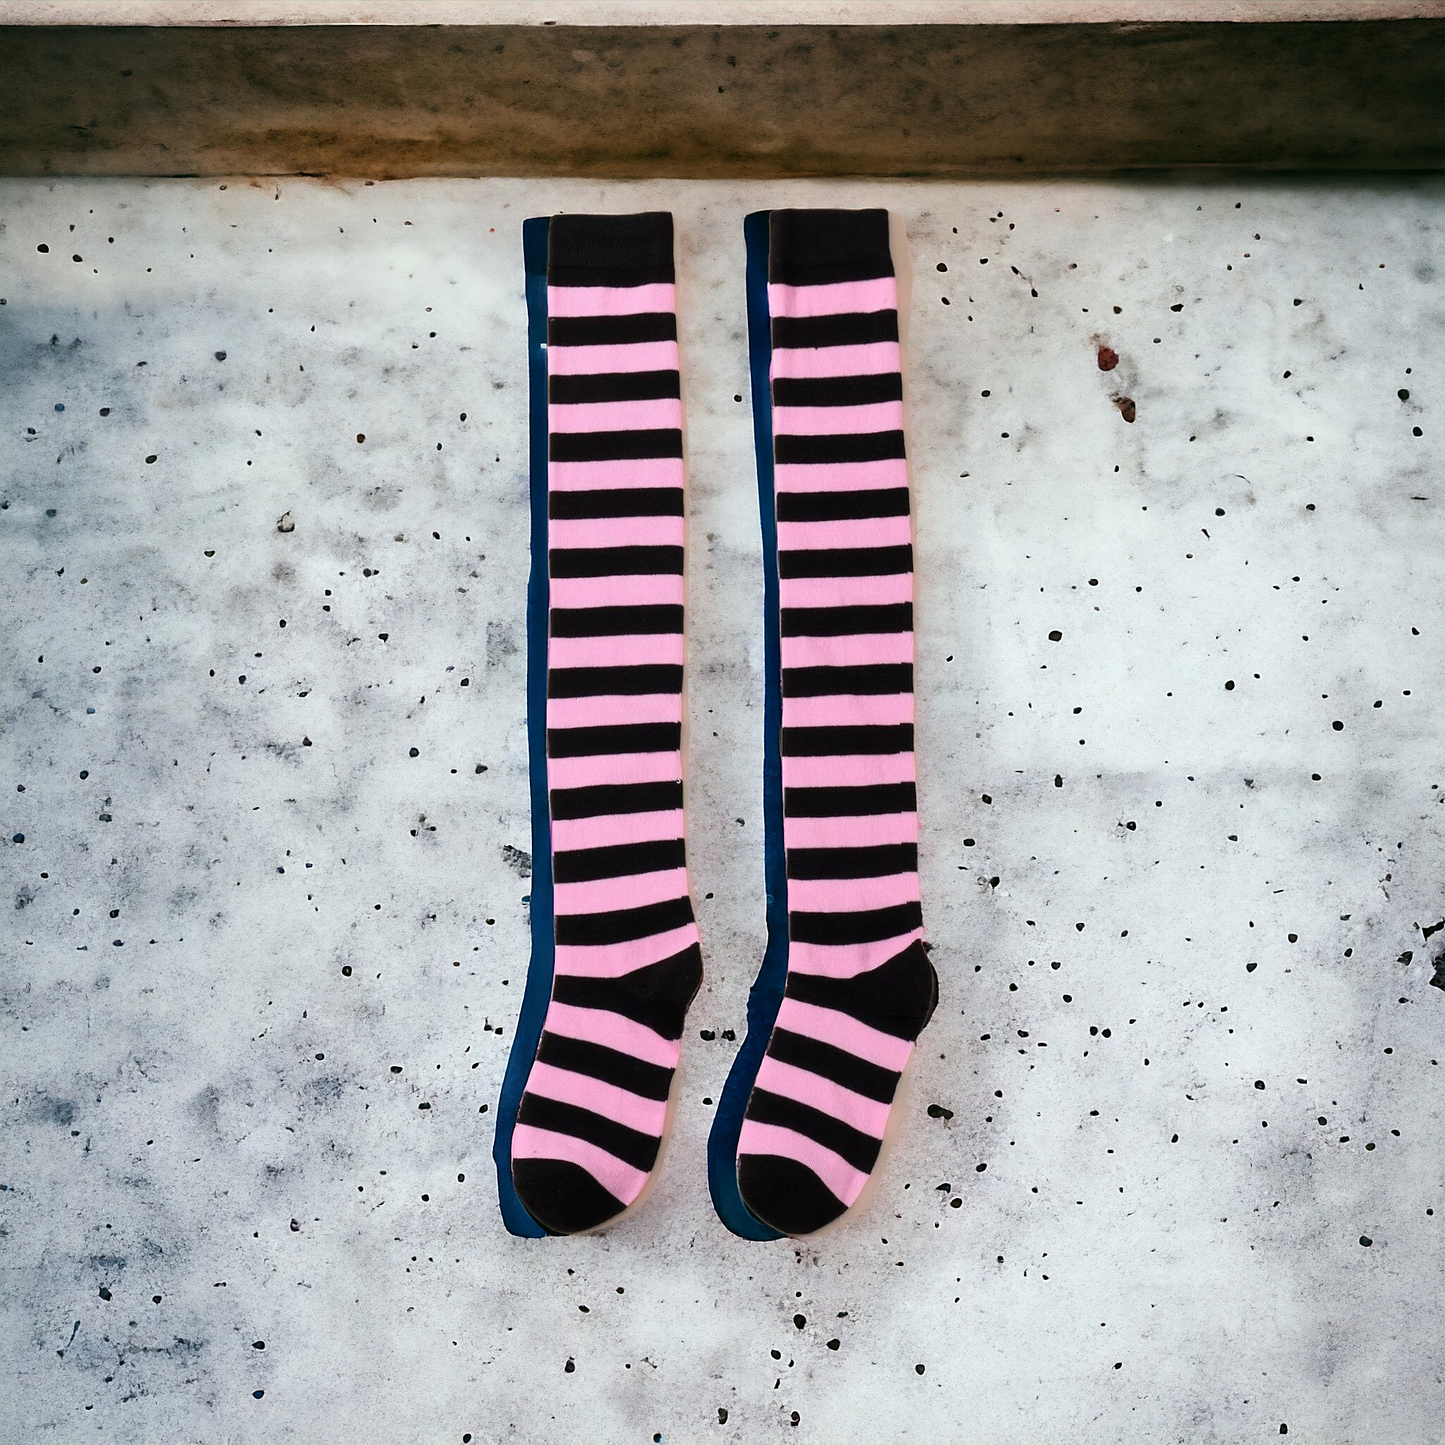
[{"x": 846, "y": 985}]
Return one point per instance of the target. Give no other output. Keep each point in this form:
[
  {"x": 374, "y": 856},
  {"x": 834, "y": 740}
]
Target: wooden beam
[{"x": 934, "y": 100}]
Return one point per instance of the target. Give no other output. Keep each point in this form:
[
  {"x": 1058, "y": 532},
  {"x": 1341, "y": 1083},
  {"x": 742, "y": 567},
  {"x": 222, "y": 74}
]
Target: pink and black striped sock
[
  {"x": 859, "y": 986},
  {"x": 591, "y": 1121}
]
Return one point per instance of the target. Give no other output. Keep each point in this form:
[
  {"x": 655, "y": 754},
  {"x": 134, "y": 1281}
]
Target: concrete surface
[{"x": 263, "y": 964}]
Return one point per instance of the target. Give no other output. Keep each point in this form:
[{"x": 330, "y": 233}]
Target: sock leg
[
  {"x": 628, "y": 963},
  {"x": 859, "y": 987}
]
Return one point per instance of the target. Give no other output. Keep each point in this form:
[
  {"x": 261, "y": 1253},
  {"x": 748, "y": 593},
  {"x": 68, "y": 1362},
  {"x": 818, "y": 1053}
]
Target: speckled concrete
[{"x": 1172, "y": 1151}]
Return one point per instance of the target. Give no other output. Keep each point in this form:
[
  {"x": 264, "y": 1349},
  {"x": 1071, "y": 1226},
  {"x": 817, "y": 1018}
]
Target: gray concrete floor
[{"x": 264, "y": 964}]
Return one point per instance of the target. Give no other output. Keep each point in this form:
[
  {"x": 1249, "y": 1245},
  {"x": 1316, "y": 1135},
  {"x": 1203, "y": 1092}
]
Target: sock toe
[
  {"x": 785, "y": 1194},
  {"x": 561, "y": 1196}
]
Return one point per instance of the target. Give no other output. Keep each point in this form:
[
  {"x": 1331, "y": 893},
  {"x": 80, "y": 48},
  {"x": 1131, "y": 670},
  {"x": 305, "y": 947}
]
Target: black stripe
[
  {"x": 847, "y": 621},
  {"x": 612, "y": 330},
  {"x": 634, "y": 1148},
  {"x": 828, "y": 1062},
  {"x": 852, "y": 328},
  {"x": 615, "y": 561},
  {"x": 863, "y": 802},
  {"x": 591, "y": 275},
  {"x": 867, "y": 446},
  {"x": 653, "y": 618},
  {"x": 842, "y": 742},
  {"x": 613, "y": 386},
  {"x": 868, "y": 925},
  {"x": 623, "y": 860},
  {"x": 597, "y": 1061},
  {"x": 898, "y": 997},
  {"x": 846, "y": 562},
  {"x": 640, "y": 681},
  {"x": 610, "y": 250},
  {"x": 858, "y": 1148},
  {"x": 882, "y": 860},
  {"x": 837, "y": 390},
  {"x": 655, "y": 996},
  {"x": 838, "y": 506},
  {"x": 874, "y": 680},
  {"x": 603, "y": 799},
  {"x": 623, "y": 925},
  {"x": 615, "y": 446},
  {"x": 818, "y": 246},
  {"x": 588, "y": 272},
  {"x": 618, "y": 502},
  {"x": 653, "y": 737}
]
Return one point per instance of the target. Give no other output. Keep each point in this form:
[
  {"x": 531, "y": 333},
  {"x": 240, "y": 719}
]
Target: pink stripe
[
  {"x": 850, "y": 832},
  {"x": 569, "y": 834},
  {"x": 866, "y": 1115},
  {"x": 835, "y": 299},
  {"x": 857, "y": 532},
  {"x": 611, "y": 300},
  {"x": 847, "y": 960},
  {"x": 630, "y": 649},
  {"x": 860, "y": 649},
  {"x": 852, "y": 710},
  {"x": 866, "y": 360},
  {"x": 839, "y": 1029},
  {"x": 620, "y": 1180},
  {"x": 647, "y": 1116},
  {"x": 585, "y": 712},
  {"x": 613, "y": 1031},
  {"x": 851, "y": 895},
  {"x": 837, "y": 1173},
  {"x": 657, "y": 412},
  {"x": 630, "y": 472},
  {"x": 614, "y": 768},
  {"x": 605, "y": 895},
  {"x": 635, "y": 591},
  {"x": 834, "y": 420},
  {"x": 848, "y": 772},
  {"x": 841, "y": 476},
  {"x": 600, "y": 360},
  {"x": 845, "y": 591},
  {"x": 619, "y": 532},
  {"x": 614, "y": 960}
]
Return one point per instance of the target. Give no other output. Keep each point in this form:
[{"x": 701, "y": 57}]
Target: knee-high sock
[
  {"x": 628, "y": 963},
  {"x": 859, "y": 985}
]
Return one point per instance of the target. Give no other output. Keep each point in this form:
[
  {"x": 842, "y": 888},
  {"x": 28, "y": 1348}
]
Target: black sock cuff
[
  {"x": 815, "y": 248},
  {"x": 610, "y": 250}
]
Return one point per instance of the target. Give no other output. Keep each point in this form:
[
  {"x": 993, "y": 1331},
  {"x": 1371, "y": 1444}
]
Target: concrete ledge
[{"x": 934, "y": 100}]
